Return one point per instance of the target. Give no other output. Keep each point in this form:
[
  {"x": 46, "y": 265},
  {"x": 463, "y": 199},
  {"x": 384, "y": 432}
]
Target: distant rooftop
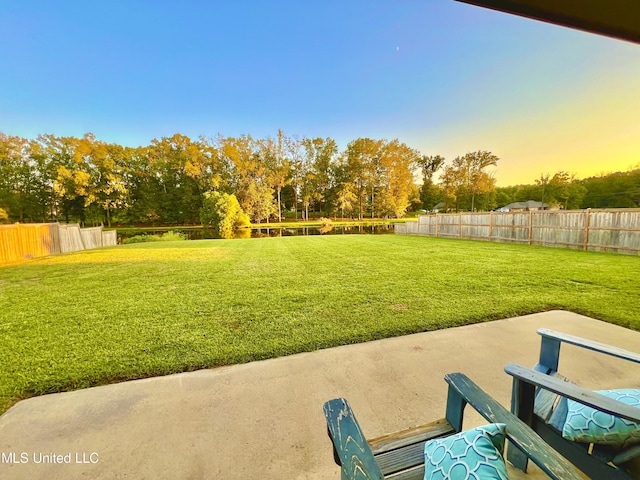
[{"x": 528, "y": 205}]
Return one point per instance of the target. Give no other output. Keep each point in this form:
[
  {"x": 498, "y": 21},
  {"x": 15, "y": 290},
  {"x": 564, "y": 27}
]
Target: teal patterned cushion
[
  {"x": 475, "y": 454},
  {"x": 587, "y": 425}
]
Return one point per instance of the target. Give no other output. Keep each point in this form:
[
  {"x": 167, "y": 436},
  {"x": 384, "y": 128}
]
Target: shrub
[
  {"x": 140, "y": 239},
  {"x": 223, "y": 212},
  {"x": 170, "y": 236}
]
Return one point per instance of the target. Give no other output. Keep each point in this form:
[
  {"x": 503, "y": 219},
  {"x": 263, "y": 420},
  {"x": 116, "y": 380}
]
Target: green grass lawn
[{"x": 89, "y": 318}]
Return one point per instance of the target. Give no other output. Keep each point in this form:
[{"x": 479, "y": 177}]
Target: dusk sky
[{"x": 444, "y": 77}]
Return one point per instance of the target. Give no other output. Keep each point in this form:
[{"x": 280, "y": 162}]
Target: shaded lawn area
[{"x": 133, "y": 311}]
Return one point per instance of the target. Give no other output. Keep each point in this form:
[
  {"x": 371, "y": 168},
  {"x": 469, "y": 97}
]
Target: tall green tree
[
  {"x": 71, "y": 177},
  {"x": 273, "y": 154},
  {"x": 294, "y": 152},
  {"x": 320, "y": 157},
  {"x": 397, "y": 162},
  {"x": 250, "y": 180},
  {"x": 15, "y": 175},
  {"x": 480, "y": 181},
  {"x": 145, "y": 187},
  {"x": 111, "y": 187},
  {"x": 41, "y": 180},
  {"x": 566, "y": 191},
  {"x": 429, "y": 166},
  {"x": 259, "y": 202},
  {"x": 542, "y": 182},
  {"x": 179, "y": 165},
  {"x": 466, "y": 179},
  {"x": 360, "y": 164},
  {"x": 346, "y": 198}
]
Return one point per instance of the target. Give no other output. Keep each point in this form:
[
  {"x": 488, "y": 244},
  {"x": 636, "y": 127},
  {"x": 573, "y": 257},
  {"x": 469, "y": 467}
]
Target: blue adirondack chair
[
  {"x": 400, "y": 455},
  {"x": 540, "y": 398}
]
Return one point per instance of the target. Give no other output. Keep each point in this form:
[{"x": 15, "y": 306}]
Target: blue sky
[{"x": 444, "y": 77}]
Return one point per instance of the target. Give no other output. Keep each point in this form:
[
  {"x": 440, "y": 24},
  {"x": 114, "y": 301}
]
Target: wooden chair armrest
[
  {"x": 357, "y": 459},
  {"x": 525, "y": 439},
  {"x": 590, "y": 345},
  {"x": 573, "y": 392},
  {"x": 350, "y": 445}
]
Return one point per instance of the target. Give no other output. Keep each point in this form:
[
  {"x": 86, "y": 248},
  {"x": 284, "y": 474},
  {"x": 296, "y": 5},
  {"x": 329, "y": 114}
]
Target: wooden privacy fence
[
  {"x": 616, "y": 230},
  {"x": 21, "y": 241}
]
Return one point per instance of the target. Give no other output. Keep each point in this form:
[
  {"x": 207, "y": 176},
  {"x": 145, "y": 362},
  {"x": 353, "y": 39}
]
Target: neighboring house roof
[
  {"x": 528, "y": 205},
  {"x": 439, "y": 206}
]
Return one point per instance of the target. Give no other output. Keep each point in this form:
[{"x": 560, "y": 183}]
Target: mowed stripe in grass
[{"x": 89, "y": 318}]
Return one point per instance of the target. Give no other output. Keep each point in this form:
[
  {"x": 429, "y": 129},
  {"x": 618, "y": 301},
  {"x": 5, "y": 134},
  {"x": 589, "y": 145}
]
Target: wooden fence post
[
  {"x": 490, "y": 226},
  {"x": 436, "y": 225},
  {"x": 587, "y": 221},
  {"x": 459, "y": 225},
  {"x": 530, "y": 225}
]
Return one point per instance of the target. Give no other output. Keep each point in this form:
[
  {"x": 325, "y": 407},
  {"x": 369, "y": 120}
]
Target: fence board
[
  {"x": 109, "y": 238},
  {"x": 70, "y": 238},
  {"x": 412, "y": 228},
  {"x": 91, "y": 237},
  {"x": 616, "y": 230}
]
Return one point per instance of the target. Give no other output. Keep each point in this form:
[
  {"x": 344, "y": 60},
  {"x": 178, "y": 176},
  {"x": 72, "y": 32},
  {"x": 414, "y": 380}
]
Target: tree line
[
  {"x": 53, "y": 178},
  {"x": 169, "y": 181},
  {"x": 564, "y": 190}
]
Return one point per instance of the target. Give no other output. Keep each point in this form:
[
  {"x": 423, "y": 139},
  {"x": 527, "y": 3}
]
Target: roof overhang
[{"x": 613, "y": 18}]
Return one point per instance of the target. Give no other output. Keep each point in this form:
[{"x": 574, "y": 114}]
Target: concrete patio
[{"x": 264, "y": 419}]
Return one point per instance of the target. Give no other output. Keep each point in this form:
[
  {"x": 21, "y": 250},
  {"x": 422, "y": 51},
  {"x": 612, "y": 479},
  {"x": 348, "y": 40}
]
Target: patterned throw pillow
[
  {"x": 475, "y": 454},
  {"x": 587, "y": 425}
]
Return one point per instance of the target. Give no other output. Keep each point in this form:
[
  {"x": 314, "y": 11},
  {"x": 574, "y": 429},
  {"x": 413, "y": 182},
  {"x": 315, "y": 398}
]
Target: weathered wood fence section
[
  {"x": 616, "y": 230},
  {"x": 20, "y": 241}
]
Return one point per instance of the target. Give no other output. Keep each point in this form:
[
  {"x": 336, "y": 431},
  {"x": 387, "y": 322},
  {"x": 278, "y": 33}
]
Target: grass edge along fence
[
  {"x": 22, "y": 241},
  {"x": 610, "y": 230}
]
